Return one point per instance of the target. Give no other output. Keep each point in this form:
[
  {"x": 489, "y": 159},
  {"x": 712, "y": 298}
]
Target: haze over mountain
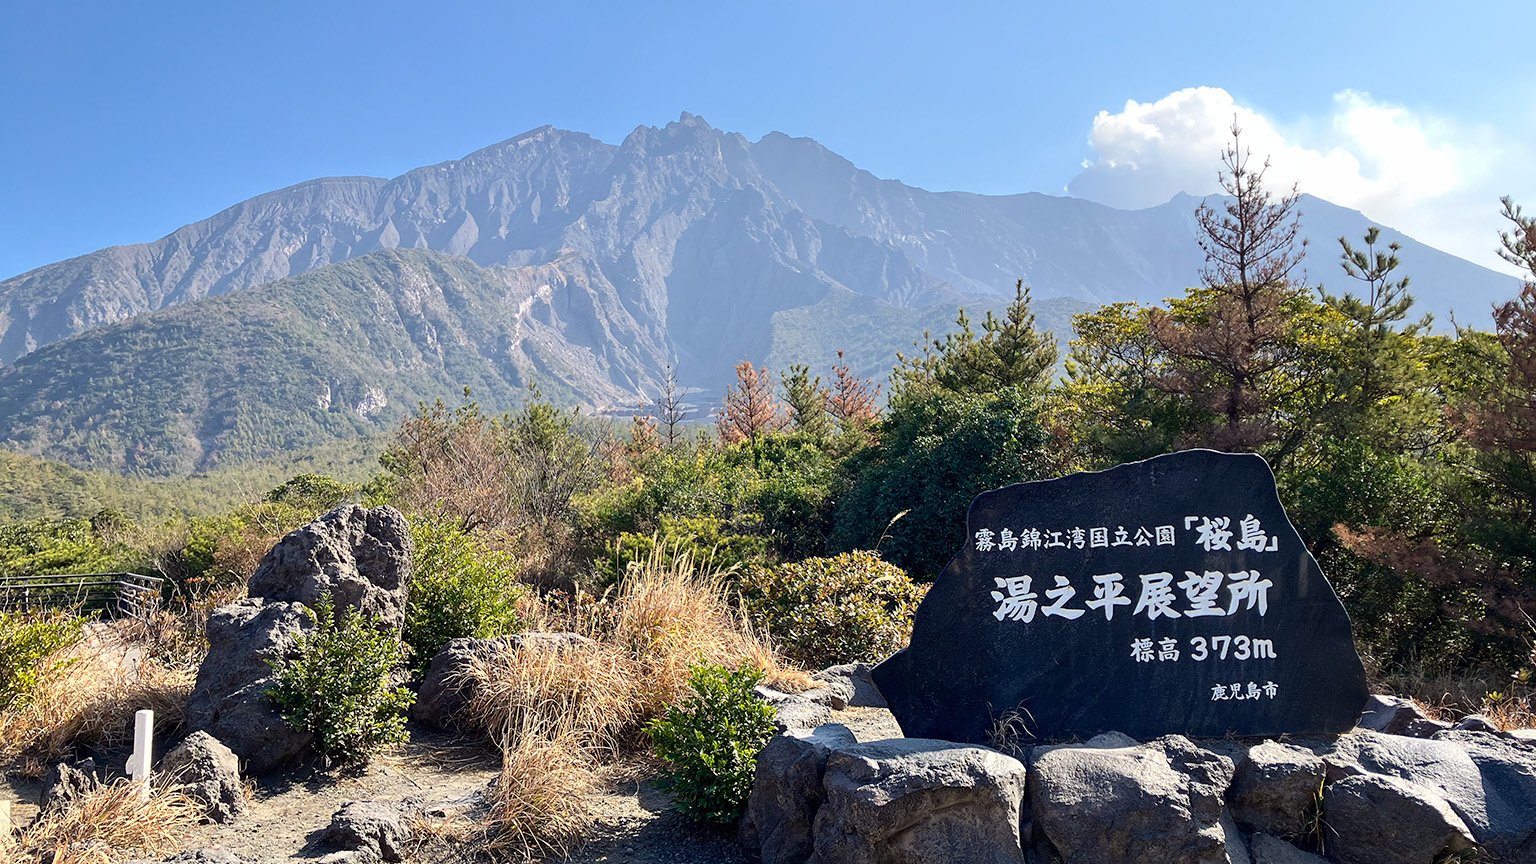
[{"x": 584, "y": 266}]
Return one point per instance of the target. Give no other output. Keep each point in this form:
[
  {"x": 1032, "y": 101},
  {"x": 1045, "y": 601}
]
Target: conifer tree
[
  {"x": 1008, "y": 352},
  {"x": 750, "y": 409},
  {"x": 1233, "y": 345},
  {"x": 807, "y": 401},
  {"x": 670, "y": 410},
  {"x": 853, "y": 399}
]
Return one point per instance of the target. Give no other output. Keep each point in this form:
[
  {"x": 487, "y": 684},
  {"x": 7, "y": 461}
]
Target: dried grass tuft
[
  {"x": 584, "y": 689},
  {"x": 541, "y": 804},
  {"x": 91, "y": 699},
  {"x": 560, "y": 711},
  {"x": 107, "y": 824}
]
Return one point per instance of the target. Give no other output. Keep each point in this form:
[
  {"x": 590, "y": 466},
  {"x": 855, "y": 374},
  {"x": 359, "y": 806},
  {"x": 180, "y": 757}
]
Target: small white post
[{"x": 143, "y": 749}]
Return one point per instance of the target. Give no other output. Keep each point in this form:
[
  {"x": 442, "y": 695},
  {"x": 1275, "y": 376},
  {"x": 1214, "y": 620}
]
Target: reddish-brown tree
[
  {"x": 750, "y": 409},
  {"x": 853, "y": 399}
]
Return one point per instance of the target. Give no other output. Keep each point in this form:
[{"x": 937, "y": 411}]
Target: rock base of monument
[{"x": 1365, "y": 797}]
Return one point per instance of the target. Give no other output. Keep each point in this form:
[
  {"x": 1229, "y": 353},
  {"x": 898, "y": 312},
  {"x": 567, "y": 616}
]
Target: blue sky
[{"x": 123, "y": 121}]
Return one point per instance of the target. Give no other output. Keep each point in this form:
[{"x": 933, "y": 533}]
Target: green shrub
[
  {"x": 339, "y": 685},
  {"x": 26, "y": 641},
  {"x": 706, "y": 539},
  {"x": 711, "y": 741},
  {"x": 825, "y": 611},
  {"x": 458, "y": 588},
  {"x": 43, "y": 546},
  {"x": 317, "y": 493},
  {"x": 937, "y": 451}
]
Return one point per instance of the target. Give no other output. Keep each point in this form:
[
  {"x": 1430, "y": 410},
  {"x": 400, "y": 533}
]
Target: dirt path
[{"x": 636, "y": 822}]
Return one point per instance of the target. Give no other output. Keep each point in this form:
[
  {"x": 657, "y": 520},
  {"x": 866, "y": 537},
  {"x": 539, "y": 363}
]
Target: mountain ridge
[{"x": 537, "y": 195}]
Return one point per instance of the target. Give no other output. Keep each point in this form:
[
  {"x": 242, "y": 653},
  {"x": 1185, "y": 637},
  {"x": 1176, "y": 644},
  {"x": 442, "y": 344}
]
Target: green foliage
[
  {"x": 937, "y": 451},
  {"x": 806, "y": 397},
  {"x": 705, "y": 539},
  {"x": 1008, "y": 353},
  {"x": 460, "y": 587},
  {"x": 711, "y": 742},
  {"x": 339, "y": 685},
  {"x": 779, "y": 490},
  {"x": 43, "y": 546},
  {"x": 820, "y": 612},
  {"x": 26, "y": 643},
  {"x": 315, "y": 493}
]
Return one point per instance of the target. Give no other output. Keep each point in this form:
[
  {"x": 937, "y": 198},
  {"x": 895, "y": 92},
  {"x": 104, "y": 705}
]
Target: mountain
[{"x": 326, "y": 309}]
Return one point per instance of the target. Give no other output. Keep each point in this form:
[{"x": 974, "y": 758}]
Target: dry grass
[
  {"x": 671, "y": 615},
  {"x": 581, "y": 688},
  {"x": 561, "y": 711},
  {"x": 92, "y": 698},
  {"x": 108, "y": 824}
]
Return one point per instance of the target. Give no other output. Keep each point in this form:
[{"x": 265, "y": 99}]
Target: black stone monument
[{"x": 1158, "y": 597}]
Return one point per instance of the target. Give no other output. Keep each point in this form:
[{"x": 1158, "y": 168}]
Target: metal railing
[{"x": 123, "y": 595}]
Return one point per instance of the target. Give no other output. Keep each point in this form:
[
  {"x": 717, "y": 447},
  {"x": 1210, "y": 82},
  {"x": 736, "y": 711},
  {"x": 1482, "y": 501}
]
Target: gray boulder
[
  {"x": 1488, "y": 781},
  {"x": 1394, "y": 715},
  {"x": 795, "y": 713},
  {"x": 448, "y": 686},
  {"x": 211, "y": 855},
  {"x": 1264, "y": 849},
  {"x": 916, "y": 800},
  {"x": 855, "y": 683},
  {"x": 779, "y": 821},
  {"x": 1375, "y": 819},
  {"x": 1153, "y": 803},
  {"x": 361, "y": 557},
  {"x": 1476, "y": 723},
  {"x": 1275, "y": 789},
  {"x": 368, "y": 827},
  {"x": 67, "y": 782},
  {"x": 229, "y": 700},
  {"x": 209, "y": 774}
]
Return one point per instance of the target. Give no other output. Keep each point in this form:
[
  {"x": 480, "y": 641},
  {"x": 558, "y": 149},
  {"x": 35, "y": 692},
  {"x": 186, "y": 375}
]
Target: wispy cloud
[{"x": 1428, "y": 176}]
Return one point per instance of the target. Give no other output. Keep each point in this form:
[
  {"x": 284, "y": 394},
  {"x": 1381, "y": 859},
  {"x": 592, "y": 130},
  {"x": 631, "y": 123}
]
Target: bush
[
  {"x": 825, "y": 611},
  {"x": 712, "y": 741},
  {"x": 339, "y": 685},
  {"x": 936, "y": 452},
  {"x": 706, "y": 539},
  {"x": 459, "y": 588},
  {"x": 26, "y": 643}
]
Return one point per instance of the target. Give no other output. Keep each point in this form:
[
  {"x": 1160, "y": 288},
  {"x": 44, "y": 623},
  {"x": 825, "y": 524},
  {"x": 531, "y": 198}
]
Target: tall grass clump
[
  {"x": 561, "y": 708},
  {"x": 90, "y": 698},
  {"x": 106, "y": 824}
]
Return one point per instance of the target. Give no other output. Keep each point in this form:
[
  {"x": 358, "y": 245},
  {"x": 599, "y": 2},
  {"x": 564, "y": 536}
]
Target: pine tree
[
  {"x": 853, "y": 399},
  {"x": 1233, "y": 344},
  {"x": 750, "y": 409},
  {"x": 807, "y": 400},
  {"x": 1377, "y": 373},
  {"x": 1008, "y": 352}
]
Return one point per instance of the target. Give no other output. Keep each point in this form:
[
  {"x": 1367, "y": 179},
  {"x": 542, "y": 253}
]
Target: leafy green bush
[
  {"x": 316, "y": 493},
  {"x": 458, "y": 588},
  {"x": 26, "y": 641},
  {"x": 712, "y": 740},
  {"x": 824, "y": 611},
  {"x": 44, "y": 546},
  {"x": 937, "y": 451},
  {"x": 339, "y": 685}
]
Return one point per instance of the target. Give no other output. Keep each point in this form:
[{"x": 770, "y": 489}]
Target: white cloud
[{"x": 1431, "y": 178}]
